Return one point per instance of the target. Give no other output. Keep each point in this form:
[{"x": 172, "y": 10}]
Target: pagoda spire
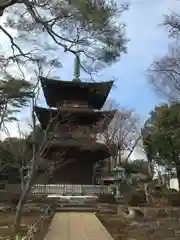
[{"x": 77, "y": 69}]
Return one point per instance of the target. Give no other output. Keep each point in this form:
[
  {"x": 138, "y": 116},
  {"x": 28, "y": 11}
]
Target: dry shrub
[
  {"x": 2, "y": 186},
  {"x": 165, "y": 197},
  {"x": 159, "y": 197},
  {"x": 138, "y": 198},
  {"x": 115, "y": 225},
  {"x": 106, "y": 198},
  {"x": 162, "y": 213},
  {"x": 159, "y": 202},
  {"x": 7, "y": 197},
  {"x": 14, "y": 198},
  {"x": 10, "y": 195},
  {"x": 37, "y": 198},
  {"x": 174, "y": 199}
]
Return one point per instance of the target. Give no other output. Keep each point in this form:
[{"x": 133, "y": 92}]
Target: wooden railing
[{"x": 67, "y": 190}]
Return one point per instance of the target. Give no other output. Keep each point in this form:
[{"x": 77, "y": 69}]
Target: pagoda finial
[{"x": 77, "y": 68}]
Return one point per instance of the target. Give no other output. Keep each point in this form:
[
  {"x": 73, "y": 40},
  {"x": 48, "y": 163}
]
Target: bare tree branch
[{"x": 124, "y": 134}]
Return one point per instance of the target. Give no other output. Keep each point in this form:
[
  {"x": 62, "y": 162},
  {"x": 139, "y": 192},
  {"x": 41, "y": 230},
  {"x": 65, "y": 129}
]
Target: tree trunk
[
  {"x": 160, "y": 179},
  {"x": 146, "y": 192},
  {"x": 22, "y": 201},
  {"x": 109, "y": 163},
  {"x": 24, "y": 195},
  {"x": 29, "y": 182}
]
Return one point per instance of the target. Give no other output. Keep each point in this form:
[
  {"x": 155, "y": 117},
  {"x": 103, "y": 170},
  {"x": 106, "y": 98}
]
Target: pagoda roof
[
  {"x": 65, "y": 150},
  {"x": 74, "y": 115},
  {"x": 94, "y": 93}
]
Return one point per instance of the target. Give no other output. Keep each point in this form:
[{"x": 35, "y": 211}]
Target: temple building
[{"x": 72, "y": 121}]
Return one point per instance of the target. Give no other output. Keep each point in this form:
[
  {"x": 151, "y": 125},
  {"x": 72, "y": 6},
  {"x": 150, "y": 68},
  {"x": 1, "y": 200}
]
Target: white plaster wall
[{"x": 174, "y": 184}]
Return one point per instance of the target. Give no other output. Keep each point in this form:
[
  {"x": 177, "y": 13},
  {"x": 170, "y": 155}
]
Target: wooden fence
[{"x": 67, "y": 190}]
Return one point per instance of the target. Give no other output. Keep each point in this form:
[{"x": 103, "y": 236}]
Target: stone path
[{"x": 77, "y": 226}]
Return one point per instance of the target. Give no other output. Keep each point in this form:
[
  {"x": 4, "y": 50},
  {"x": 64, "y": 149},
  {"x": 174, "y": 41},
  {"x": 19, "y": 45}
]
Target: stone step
[
  {"x": 74, "y": 205},
  {"x": 74, "y": 209}
]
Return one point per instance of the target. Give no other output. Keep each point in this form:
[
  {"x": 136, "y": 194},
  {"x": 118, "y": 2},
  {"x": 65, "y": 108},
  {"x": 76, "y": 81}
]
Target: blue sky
[{"x": 147, "y": 42}]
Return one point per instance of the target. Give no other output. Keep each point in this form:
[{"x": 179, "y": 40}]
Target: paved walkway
[{"x": 77, "y": 226}]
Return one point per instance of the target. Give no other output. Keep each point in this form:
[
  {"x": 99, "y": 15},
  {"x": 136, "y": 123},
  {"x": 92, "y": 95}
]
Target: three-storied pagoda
[{"x": 72, "y": 123}]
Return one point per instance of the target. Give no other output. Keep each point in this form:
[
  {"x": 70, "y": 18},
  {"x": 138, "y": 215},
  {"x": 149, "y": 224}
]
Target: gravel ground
[{"x": 149, "y": 227}]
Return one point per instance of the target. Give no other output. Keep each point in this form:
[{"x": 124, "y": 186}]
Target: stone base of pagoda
[
  {"x": 73, "y": 172},
  {"x": 70, "y": 172}
]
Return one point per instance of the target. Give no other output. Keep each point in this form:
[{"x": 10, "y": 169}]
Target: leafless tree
[
  {"x": 124, "y": 133},
  {"x": 26, "y": 184},
  {"x": 164, "y": 73}
]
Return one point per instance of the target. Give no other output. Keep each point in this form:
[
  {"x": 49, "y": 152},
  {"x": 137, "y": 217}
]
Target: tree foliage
[
  {"x": 137, "y": 170},
  {"x": 163, "y": 139},
  {"x": 14, "y": 94},
  {"x": 136, "y": 166},
  {"x": 91, "y": 28},
  {"x": 16, "y": 154},
  {"x": 14, "y": 159}
]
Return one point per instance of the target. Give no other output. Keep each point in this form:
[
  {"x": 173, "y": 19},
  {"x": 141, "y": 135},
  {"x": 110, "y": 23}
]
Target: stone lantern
[{"x": 119, "y": 176}]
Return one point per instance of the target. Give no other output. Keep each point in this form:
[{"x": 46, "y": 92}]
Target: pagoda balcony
[
  {"x": 73, "y": 106},
  {"x": 63, "y": 118},
  {"x": 78, "y": 136},
  {"x": 77, "y": 149}
]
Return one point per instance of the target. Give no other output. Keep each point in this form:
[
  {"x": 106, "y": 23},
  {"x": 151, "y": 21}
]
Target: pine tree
[
  {"x": 14, "y": 95},
  {"x": 87, "y": 26}
]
